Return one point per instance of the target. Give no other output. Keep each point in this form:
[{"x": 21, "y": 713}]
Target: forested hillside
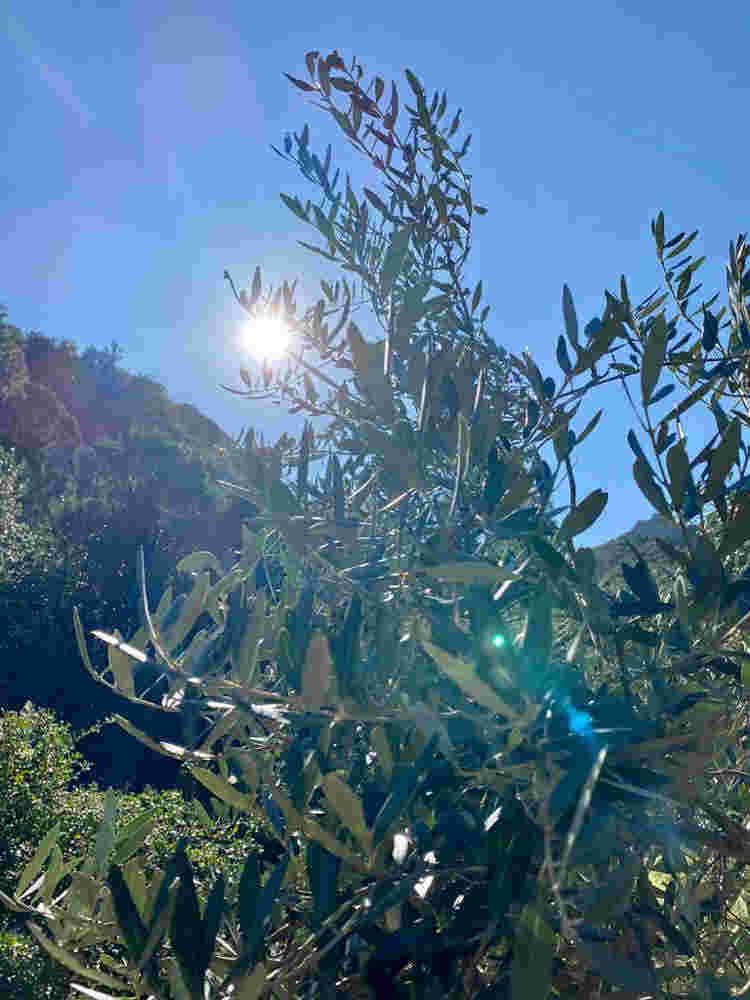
[{"x": 95, "y": 461}]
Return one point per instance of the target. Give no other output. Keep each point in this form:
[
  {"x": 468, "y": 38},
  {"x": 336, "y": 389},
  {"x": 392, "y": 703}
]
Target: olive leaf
[
  {"x": 678, "y": 466},
  {"x": 722, "y": 459},
  {"x": 317, "y": 671},
  {"x": 563, "y": 358},
  {"x": 70, "y": 961},
  {"x": 571, "y": 321},
  {"x": 589, "y": 427},
  {"x": 649, "y": 488},
  {"x": 222, "y": 789},
  {"x": 533, "y": 956},
  {"x": 40, "y": 855},
  {"x": 653, "y": 356},
  {"x": 657, "y": 228},
  {"x": 469, "y": 572},
  {"x": 584, "y": 514},
  {"x": 462, "y": 673},
  {"x": 133, "y": 834},
  {"x": 348, "y": 807},
  {"x": 736, "y": 530}
]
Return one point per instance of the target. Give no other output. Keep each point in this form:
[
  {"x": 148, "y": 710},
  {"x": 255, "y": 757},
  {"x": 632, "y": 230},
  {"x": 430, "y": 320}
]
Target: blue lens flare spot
[{"x": 579, "y": 722}]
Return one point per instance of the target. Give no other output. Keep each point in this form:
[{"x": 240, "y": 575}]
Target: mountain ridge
[{"x": 610, "y": 555}]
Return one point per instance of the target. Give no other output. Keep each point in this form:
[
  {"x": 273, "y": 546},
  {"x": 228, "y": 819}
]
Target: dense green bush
[
  {"x": 39, "y": 771},
  {"x": 24, "y": 546},
  {"x": 27, "y": 972},
  {"x": 38, "y": 768}
]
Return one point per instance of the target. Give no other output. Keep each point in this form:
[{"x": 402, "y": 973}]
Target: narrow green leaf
[
  {"x": 222, "y": 789},
  {"x": 251, "y": 984},
  {"x": 555, "y": 563},
  {"x": 265, "y": 901},
  {"x": 186, "y": 931},
  {"x": 415, "y": 85},
  {"x": 653, "y": 356},
  {"x": 650, "y": 489},
  {"x": 247, "y": 894},
  {"x": 538, "y": 637},
  {"x": 657, "y": 228},
  {"x": 120, "y": 665},
  {"x": 688, "y": 401},
  {"x": 93, "y": 994},
  {"x": 212, "y": 920},
  {"x": 377, "y": 203},
  {"x": 342, "y": 84},
  {"x": 158, "y": 923},
  {"x": 469, "y": 573},
  {"x": 563, "y": 358},
  {"x": 653, "y": 306},
  {"x": 65, "y": 958},
  {"x": 569, "y": 315},
  {"x": 301, "y": 84},
  {"x": 317, "y": 671},
  {"x": 128, "y": 918},
  {"x": 132, "y": 835},
  {"x": 328, "y": 256},
  {"x": 126, "y": 847},
  {"x": 256, "y": 289},
  {"x": 723, "y": 458},
  {"x": 38, "y": 858},
  {"x": 461, "y": 672},
  {"x": 199, "y": 562},
  {"x": 53, "y": 875},
  {"x": 348, "y": 807},
  {"x": 584, "y": 514},
  {"x": 736, "y": 530},
  {"x": 324, "y": 81},
  {"x": 405, "y": 784},
  {"x": 322, "y": 872},
  {"x": 477, "y": 296},
  {"x": 589, "y": 427},
  {"x": 575, "y": 644},
  {"x": 293, "y": 205},
  {"x": 682, "y": 245},
  {"x": 678, "y": 466},
  {"x": 394, "y": 259},
  {"x": 533, "y": 957}
]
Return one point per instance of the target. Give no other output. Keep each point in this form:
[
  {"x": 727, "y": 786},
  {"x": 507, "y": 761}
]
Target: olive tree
[{"x": 488, "y": 776}]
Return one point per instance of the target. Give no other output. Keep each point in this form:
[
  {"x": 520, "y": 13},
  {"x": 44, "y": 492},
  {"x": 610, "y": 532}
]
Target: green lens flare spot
[{"x": 498, "y": 641}]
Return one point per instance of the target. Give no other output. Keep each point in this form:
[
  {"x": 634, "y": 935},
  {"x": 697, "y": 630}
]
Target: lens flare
[{"x": 267, "y": 338}]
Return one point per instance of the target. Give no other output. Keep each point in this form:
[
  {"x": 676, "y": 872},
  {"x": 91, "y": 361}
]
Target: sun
[{"x": 267, "y": 338}]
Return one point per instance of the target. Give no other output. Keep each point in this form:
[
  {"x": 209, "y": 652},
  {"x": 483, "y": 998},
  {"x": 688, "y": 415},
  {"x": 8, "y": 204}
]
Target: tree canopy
[{"x": 489, "y": 776}]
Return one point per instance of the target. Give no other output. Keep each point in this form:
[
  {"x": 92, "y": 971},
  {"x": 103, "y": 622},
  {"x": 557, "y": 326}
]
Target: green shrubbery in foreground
[
  {"x": 489, "y": 776},
  {"x": 38, "y": 771}
]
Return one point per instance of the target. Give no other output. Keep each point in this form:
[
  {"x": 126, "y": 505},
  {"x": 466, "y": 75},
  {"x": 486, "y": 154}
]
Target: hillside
[{"x": 610, "y": 555}]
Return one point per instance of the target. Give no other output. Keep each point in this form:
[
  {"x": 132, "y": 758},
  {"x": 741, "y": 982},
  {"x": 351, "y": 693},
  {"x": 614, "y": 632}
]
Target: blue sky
[{"x": 137, "y": 167}]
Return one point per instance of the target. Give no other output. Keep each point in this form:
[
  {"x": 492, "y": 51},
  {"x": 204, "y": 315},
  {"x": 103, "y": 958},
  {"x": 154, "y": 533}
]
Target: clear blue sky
[{"x": 137, "y": 167}]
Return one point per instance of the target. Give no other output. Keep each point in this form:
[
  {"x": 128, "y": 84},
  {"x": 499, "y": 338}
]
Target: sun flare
[{"x": 267, "y": 338}]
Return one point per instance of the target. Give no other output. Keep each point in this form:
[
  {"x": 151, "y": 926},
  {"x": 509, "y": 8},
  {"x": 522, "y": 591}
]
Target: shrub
[
  {"x": 38, "y": 771},
  {"x": 27, "y": 972},
  {"x": 38, "y": 767}
]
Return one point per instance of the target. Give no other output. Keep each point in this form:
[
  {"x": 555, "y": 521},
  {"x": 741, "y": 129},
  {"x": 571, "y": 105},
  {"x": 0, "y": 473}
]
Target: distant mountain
[{"x": 610, "y": 555}]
